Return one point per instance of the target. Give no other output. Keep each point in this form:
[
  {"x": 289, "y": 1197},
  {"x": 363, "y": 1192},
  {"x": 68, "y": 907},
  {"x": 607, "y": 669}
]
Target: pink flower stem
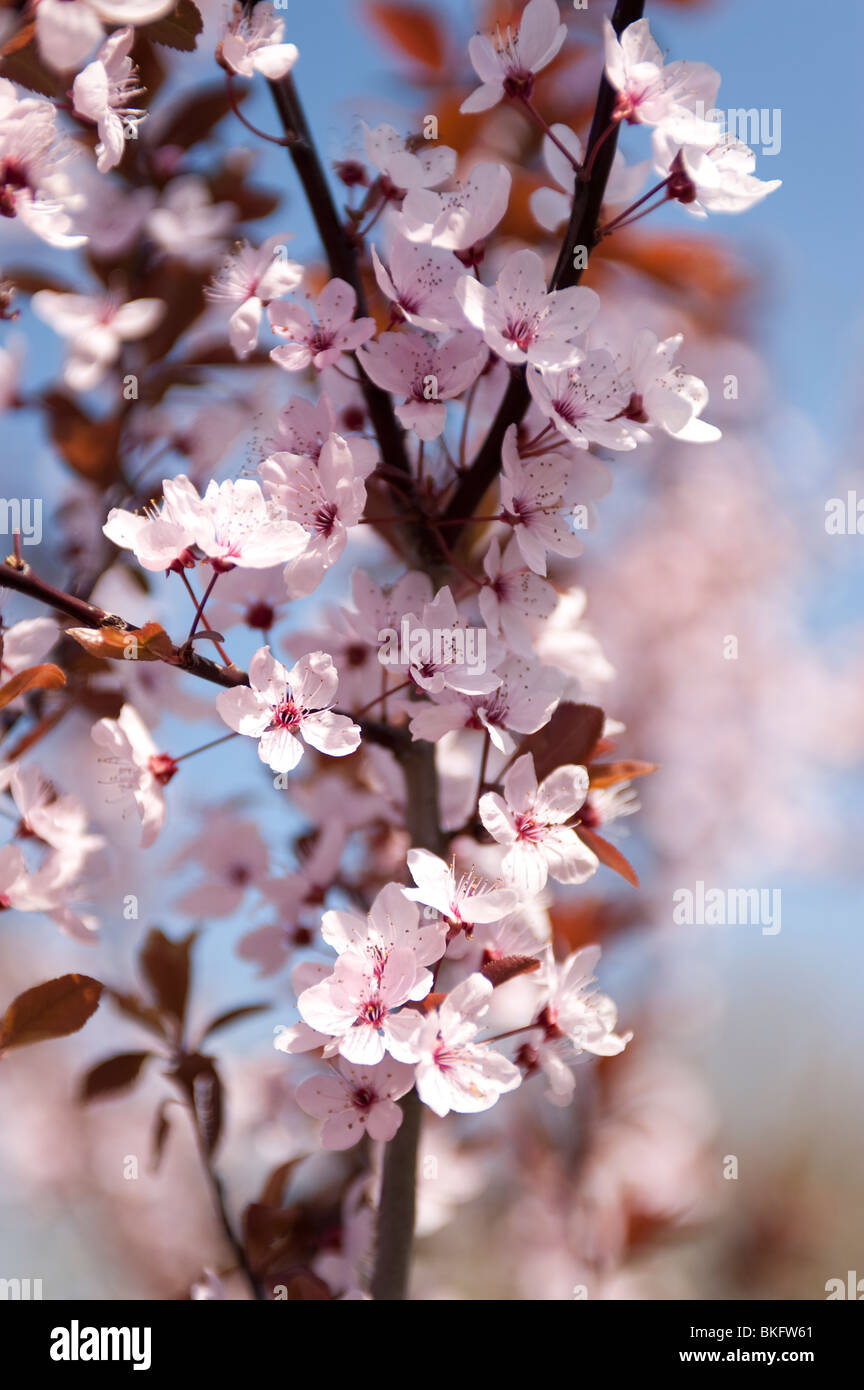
[
  {"x": 283, "y": 140},
  {"x": 204, "y": 746},
  {"x": 199, "y": 611},
  {"x": 618, "y": 221},
  {"x": 378, "y": 698},
  {"x": 585, "y": 172},
  {"x": 538, "y": 120}
]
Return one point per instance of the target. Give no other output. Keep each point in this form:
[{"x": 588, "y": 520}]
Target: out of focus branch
[{"x": 581, "y": 231}]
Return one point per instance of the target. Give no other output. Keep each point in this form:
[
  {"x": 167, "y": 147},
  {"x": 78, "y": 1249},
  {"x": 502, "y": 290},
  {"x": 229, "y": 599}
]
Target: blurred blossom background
[{"x": 720, "y": 1156}]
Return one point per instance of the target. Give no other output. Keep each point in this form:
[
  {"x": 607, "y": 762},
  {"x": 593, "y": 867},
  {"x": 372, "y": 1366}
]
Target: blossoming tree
[{"x": 453, "y": 399}]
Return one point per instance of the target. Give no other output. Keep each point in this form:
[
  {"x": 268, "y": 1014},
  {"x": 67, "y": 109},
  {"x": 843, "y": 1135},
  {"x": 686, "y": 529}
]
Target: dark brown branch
[{"x": 581, "y": 231}]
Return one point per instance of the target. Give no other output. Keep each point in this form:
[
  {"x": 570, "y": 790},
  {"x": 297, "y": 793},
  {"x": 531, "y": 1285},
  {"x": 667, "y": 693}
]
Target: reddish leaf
[
  {"x": 200, "y": 1081},
  {"x": 195, "y": 116},
  {"x": 233, "y": 1016},
  {"x": 148, "y": 643},
  {"x": 43, "y": 677},
  {"x": 607, "y": 774},
  {"x": 20, "y": 62},
  {"x": 50, "y": 1010},
  {"x": 411, "y": 30},
  {"x": 179, "y": 29},
  {"x": 273, "y": 1191},
  {"x": 136, "y": 1009},
  {"x": 508, "y": 967},
  {"x": 608, "y": 855},
  {"x": 89, "y": 447},
  {"x": 166, "y": 967},
  {"x": 570, "y": 737},
  {"x": 114, "y": 1074},
  {"x": 160, "y": 1135}
]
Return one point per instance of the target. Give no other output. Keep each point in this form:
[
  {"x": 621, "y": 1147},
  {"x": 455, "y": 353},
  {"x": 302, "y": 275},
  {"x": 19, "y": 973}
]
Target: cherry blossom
[
  {"x": 319, "y": 500},
  {"x": 463, "y": 900},
  {"x": 506, "y": 68},
  {"x": 522, "y": 702},
  {"x": 425, "y": 373},
  {"x": 13, "y": 872},
  {"x": 304, "y": 427},
  {"x": 360, "y": 1004},
  {"x": 250, "y": 279},
  {"x": 537, "y": 494},
  {"x": 392, "y": 924},
  {"x": 102, "y": 92},
  {"x": 455, "y": 1072},
  {"x": 162, "y": 538},
  {"x": 319, "y": 344},
  {"x": 530, "y": 821},
  {"x": 572, "y": 1009},
  {"x": 665, "y": 395},
  {"x": 586, "y": 402},
  {"x": 458, "y": 219},
  {"x": 520, "y": 320},
  {"x": 438, "y": 650},
  {"x": 34, "y": 184},
  {"x": 68, "y": 33},
  {"x": 140, "y": 771},
  {"x": 59, "y": 821},
  {"x": 353, "y": 1101},
  {"x": 513, "y": 595},
  {"x": 407, "y": 165},
  {"x": 252, "y": 43},
  {"x": 718, "y": 178},
  {"x": 25, "y": 643},
  {"x": 420, "y": 281},
  {"x": 235, "y": 526},
  {"x": 552, "y": 206},
  {"x": 188, "y": 225},
  {"x": 96, "y": 327},
  {"x": 278, "y": 705},
  {"x": 233, "y": 855},
  {"x": 648, "y": 91}
]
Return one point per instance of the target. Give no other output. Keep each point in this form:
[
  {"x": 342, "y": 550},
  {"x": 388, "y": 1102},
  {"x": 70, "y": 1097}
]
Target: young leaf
[
  {"x": 608, "y": 854},
  {"x": 508, "y": 967},
  {"x": 233, "y": 1016},
  {"x": 179, "y": 29},
  {"x": 166, "y": 967},
  {"x": 114, "y": 1074},
  {"x": 570, "y": 737},
  {"x": 148, "y": 643},
  {"x": 44, "y": 677},
  {"x": 50, "y": 1010},
  {"x": 607, "y": 774}
]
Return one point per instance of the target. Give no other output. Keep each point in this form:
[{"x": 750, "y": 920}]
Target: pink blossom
[
  {"x": 421, "y": 282},
  {"x": 585, "y": 402},
  {"x": 25, "y": 643},
  {"x": 530, "y": 821},
  {"x": 353, "y": 1101},
  {"x": 234, "y": 857},
  {"x": 360, "y": 1006},
  {"x": 162, "y": 538},
  {"x": 252, "y": 43},
  {"x": 422, "y": 166},
  {"x": 321, "y": 501},
  {"x": 710, "y": 177},
  {"x": 537, "y": 495},
  {"x": 572, "y": 1009},
  {"x": 140, "y": 770},
  {"x": 463, "y": 900},
  {"x": 278, "y": 705},
  {"x": 507, "y": 66},
  {"x": 439, "y": 651},
  {"x": 454, "y": 1072},
  {"x": 68, "y": 33},
  {"x": 235, "y": 526},
  {"x": 665, "y": 395},
  {"x": 59, "y": 821},
  {"x": 392, "y": 923},
  {"x": 34, "y": 185},
  {"x": 101, "y": 93},
  {"x": 458, "y": 219},
  {"x": 323, "y": 343},
  {"x": 96, "y": 327},
  {"x": 187, "y": 224},
  {"x": 649, "y": 91},
  {"x": 520, "y": 320},
  {"x": 250, "y": 279},
  {"x": 522, "y": 703},
  {"x": 552, "y": 206},
  {"x": 513, "y": 595},
  {"x": 425, "y": 373}
]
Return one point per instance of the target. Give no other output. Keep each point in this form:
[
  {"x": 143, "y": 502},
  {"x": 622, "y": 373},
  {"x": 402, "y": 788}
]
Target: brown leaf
[
  {"x": 133, "y": 1007},
  {"x": 273, "y": 1191},
  {"x": 508, "y": 967},
  {"x": 179, "y": 29},
  {"x": 199, "y": 1079},
  {"x": 160, "y": 1135},
  {"x": 193, "y": 118},
  {"x": 50, "y": 1010},
  {"x": 607, "y": 774},
  {"x": 412, "y": 30},
  {"x": 570, "y": 737},
  {"x": 233, "y": 1016},
  {"x": 89, "y": 447},
  {"x": 43, "y": 677},
  {"x": 608, "y": 854},
  {"x": 114, "y": 1074},
  {"x": 20, "y": 62},
  {"x": 166, "y": 967},
  {"x": 148, "y": 643}
]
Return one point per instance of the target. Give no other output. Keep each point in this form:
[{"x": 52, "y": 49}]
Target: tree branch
[{"x": 581, "y": 231}]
